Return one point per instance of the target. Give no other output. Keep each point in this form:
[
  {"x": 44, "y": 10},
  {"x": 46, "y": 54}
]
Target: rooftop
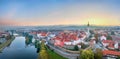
[{"x": 109, "y": 52}]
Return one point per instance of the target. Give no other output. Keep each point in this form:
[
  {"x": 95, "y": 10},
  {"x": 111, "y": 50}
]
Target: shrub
[
  {"x": 87, "y": 54},
  {"x": 98, "y": 54},
  {"x": 76, "y": 48}
]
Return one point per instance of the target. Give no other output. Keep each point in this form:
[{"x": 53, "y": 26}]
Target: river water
[{"x": 19, "y": 50}]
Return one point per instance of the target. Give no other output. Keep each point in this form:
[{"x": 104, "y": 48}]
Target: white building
[{"x": 103, "y": 38}]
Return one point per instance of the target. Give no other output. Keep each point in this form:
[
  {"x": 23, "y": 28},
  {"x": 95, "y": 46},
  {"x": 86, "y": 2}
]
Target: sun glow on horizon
[
  {"x": 102, "y": 22},
  {"x": 37, "y": 13}
]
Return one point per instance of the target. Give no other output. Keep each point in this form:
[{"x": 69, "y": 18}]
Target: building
[
  {"x": 110, "y": 54},
  {"x": 88, "y": 30}
]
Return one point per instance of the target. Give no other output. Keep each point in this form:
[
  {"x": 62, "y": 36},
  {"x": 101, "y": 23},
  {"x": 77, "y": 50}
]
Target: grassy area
[
  {"x": 3, "y": 45},
  {"x": 53, "y": 55},
  {"x": 46, "y": 53}
]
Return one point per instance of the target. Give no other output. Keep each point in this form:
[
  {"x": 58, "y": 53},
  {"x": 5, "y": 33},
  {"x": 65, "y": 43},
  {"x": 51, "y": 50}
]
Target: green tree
[
  {"x": 118, "y": 57},
  {"x": 43, "y": 53},
  {"x": 109, "y": 37},
  {"x": 8, "y": 37},
  {"x": 76, "y": 48},
  {"x": 28, "y": 39},
  {"x": 37, "y": 44},
  {"x": 112, "y": 33},
  {"x": 83, "y": 46},
  {"x": 98, "y": 54},
  {"x": 86, "y": 54},
  {"x": 91, "y": 31},
  {"x": 96, "y": 38}
]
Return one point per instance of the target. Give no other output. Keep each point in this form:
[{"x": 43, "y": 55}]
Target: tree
[
  {"x": 118, "y": 57},
  {"x": 112, "y": 33},
  {"x": 86, "y": 54},
  {"x": 109, "y": 37},
  {"x": 8, "y": 37},
  {"x": 28, "y": 39},
  {"x": 83, "y": 46},
  {"x": 98, "y": 54},
  {"x": 96, "y": 38},
  {"x": 91, "y": 31},
  {"x": 43, "y": 53},
  {"x": 76, "y": 48}
]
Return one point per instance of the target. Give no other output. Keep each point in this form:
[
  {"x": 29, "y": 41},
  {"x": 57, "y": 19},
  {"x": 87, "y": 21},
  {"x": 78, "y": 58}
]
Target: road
[{"x": 63, "y": 53}]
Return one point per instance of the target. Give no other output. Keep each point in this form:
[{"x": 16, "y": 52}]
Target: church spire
[
  {"x": 88, "y": 24},
  {"x": 88, "y": 31}
]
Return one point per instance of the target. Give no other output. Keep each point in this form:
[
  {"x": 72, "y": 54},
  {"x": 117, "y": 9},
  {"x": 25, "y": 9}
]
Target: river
[{"x": 19, "y": 50}]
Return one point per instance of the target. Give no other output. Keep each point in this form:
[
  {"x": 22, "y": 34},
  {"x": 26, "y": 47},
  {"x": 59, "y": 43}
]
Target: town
[
  {"x": 59, "y": 29},
  {"x": 101, "y": 43}
]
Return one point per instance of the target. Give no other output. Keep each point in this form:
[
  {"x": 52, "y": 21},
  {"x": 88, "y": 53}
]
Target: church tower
[{"x": 88, "y": 29}]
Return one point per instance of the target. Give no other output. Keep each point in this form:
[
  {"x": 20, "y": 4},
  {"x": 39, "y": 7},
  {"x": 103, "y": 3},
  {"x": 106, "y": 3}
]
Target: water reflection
[
  {"x": 31, "y": 41},
  {"x": 28, "y": 40},
  {"x": 18, "y": 50},
  {"x": 37, "y": 45}
]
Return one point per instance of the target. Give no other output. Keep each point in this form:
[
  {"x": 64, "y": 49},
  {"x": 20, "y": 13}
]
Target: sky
[{"x": 59, "y": 12}]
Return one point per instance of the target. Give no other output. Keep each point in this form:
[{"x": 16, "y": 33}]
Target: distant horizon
[{"x": 62, "y": 25}]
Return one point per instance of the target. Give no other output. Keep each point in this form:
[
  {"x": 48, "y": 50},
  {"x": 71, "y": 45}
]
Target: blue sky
[{"x": 59, "y": 12}]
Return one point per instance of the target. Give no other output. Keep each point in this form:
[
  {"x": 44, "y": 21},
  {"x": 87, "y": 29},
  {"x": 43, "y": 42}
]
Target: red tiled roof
[
  {"x": 67, "y": 36},
  {"x": 108, "y": 52},
  {"x": 43, "y": 34},
  {"x": 108, "y": 41},
  {"x": 111, "y": 45},
  {"x": 33, "y": 32}
]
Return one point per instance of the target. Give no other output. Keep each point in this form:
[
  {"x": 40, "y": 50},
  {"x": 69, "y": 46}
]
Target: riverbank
[{"x": 3, "y": 45}]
